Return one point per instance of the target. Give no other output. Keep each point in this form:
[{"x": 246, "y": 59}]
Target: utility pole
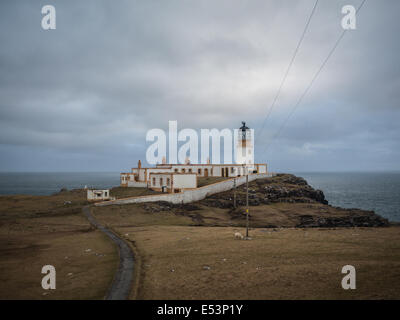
[
  {"x": 247, "y": 205},
  {"x": 234, "y": 193}
]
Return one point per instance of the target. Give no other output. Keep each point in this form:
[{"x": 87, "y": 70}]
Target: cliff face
[
  {"x": 288, "y": 189},
  {"x": 283, "y": 188},
  {"x": 281, "y": 201}
]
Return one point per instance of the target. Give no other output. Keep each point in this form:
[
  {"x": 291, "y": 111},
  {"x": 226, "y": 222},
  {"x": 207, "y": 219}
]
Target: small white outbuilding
[{"x": 98, "y": 195}]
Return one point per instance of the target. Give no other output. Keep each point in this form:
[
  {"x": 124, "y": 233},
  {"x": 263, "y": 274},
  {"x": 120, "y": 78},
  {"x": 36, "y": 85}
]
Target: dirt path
[{"x": 121, "y": 285}]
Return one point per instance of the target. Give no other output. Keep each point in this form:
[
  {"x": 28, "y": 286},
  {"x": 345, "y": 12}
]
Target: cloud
[{"x": 113, "y": 70}]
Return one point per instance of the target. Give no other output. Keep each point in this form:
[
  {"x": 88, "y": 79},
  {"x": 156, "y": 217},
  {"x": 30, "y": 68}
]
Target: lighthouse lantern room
[{"x": 245, "y": 146}]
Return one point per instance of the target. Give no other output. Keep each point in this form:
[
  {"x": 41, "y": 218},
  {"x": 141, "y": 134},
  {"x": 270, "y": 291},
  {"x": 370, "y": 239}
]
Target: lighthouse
[{"x": 245, "y": 146}]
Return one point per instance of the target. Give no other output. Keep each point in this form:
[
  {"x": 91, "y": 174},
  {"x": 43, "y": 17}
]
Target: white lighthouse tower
[{"x": 245, "y": 146}]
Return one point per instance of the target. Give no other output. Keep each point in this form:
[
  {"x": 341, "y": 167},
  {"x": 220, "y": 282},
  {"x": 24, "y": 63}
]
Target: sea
[{"x": 375, "y": 191}]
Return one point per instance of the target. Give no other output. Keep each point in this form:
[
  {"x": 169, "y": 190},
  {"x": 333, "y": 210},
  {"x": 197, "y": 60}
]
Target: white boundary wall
[{"x": 188, "y": 196}]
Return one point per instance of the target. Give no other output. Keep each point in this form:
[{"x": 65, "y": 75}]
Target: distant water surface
[
  {"x": 375, "y": 191},
  {"x": 46, "y": 183},
  {"x": 369, "y": 191}
]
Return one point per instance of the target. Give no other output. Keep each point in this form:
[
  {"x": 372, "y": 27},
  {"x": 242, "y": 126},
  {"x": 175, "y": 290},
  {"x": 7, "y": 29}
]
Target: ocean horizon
[{"x": 377, "y": 191}]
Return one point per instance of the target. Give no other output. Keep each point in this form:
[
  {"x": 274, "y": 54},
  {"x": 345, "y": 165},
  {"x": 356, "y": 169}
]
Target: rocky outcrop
[
  {"x": 289, "y": 188},
  {"x": 304, "y": 194},
  {"x": 282, "y": 188},
  {"x": 310, "y": 209},
  {"x": 359, "y": 219}
]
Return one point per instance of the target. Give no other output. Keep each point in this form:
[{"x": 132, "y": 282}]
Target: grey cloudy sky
[{"x": 82, "y": 97}]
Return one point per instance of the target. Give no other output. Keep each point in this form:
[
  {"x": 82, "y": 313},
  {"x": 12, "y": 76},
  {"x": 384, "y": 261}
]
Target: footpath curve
[{"x": 122, "y": 282}]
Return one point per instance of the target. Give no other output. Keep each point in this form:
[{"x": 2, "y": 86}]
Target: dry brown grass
[
  {"x": 36, "y": 231},
  {"x": 283, "y": 264},
  {"x": 136, "y": 215},
  {"x": 32, "y": 206},
  {"x": 125, "y": 192},
  {"x": 203, "y": 181},
  {"x": 276, "y": 214}
]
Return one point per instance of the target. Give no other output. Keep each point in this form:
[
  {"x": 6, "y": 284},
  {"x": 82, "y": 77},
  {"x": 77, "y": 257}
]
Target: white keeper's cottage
[{"x": 175, "y": 178}]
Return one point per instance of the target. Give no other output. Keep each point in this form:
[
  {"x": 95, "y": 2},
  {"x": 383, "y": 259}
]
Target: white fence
[{"x": 188, "y": 196}]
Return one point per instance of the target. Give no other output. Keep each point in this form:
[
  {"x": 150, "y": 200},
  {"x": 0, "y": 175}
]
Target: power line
[
  {"x": 311, "y": 83},
  {"x": 287, "y": 70}
]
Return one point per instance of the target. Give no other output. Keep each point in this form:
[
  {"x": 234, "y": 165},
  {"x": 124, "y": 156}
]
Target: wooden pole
[
  {"x": 234, "y": 193},
  {"x": 247, "y": 205}
]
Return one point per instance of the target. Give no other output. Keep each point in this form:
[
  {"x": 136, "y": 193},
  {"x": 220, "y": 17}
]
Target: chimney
[{"x": 139, "y": 165}]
